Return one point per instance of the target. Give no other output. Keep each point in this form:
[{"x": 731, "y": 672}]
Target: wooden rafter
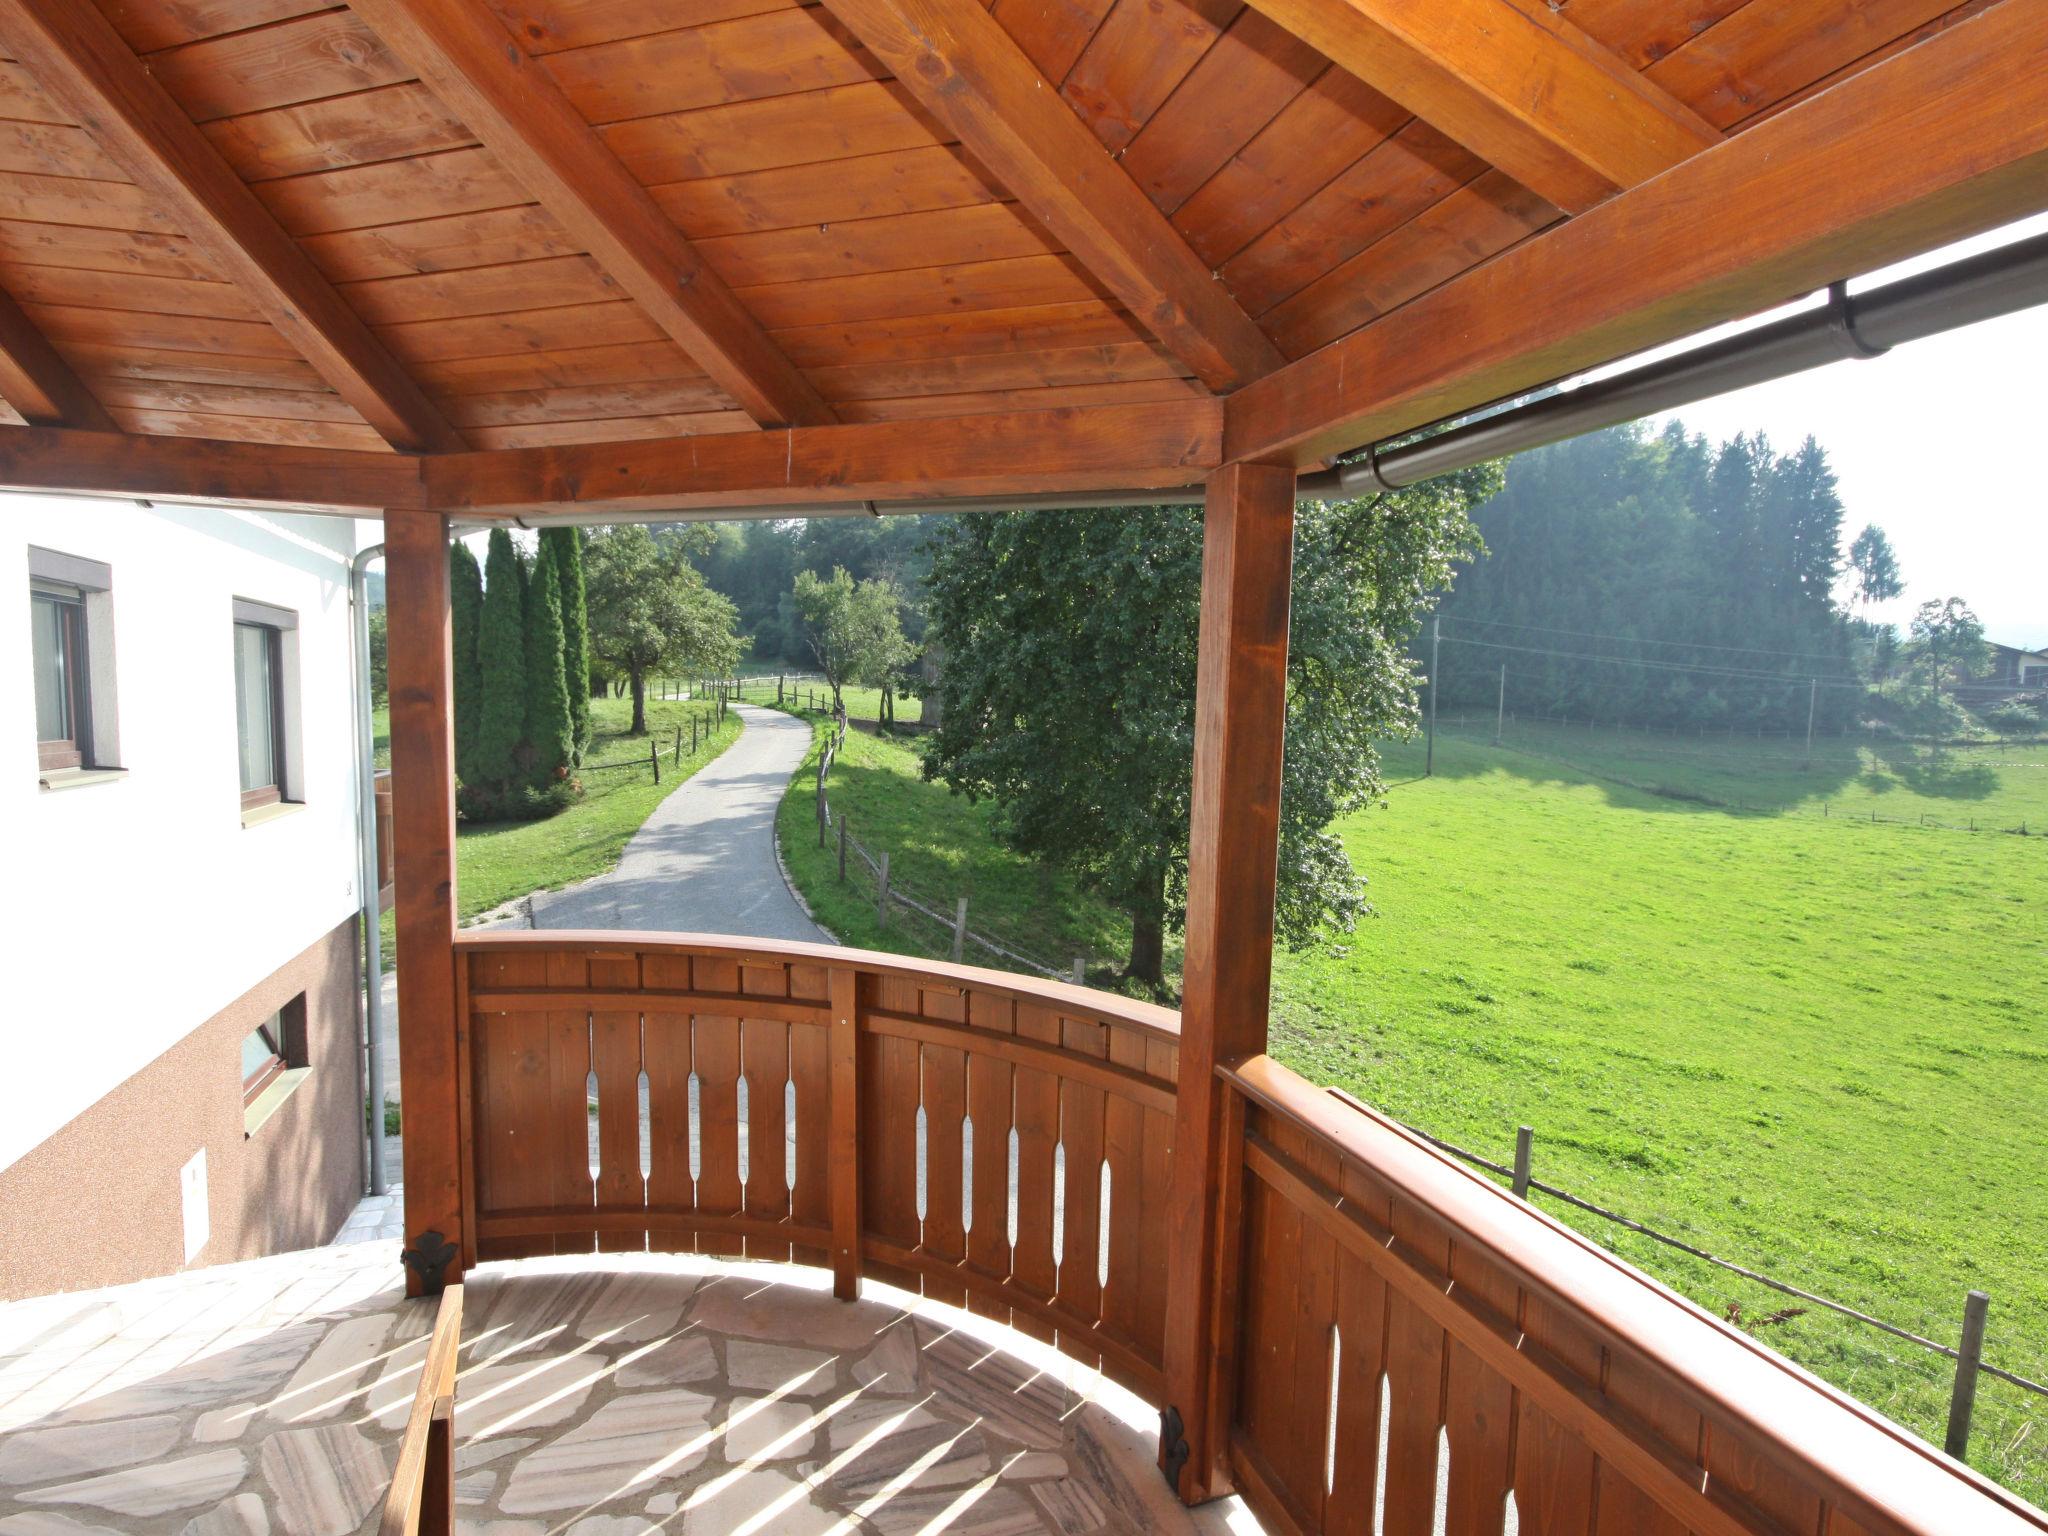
[
  {"x": 76, "y": 56},
  {"x": 38, "y": 383},
  {"x": 482, "y": 75},
  {"x": 1514, "y": 82},
  {"x": 1941, "y": 141},
  {"x": 970, "y": 74}
]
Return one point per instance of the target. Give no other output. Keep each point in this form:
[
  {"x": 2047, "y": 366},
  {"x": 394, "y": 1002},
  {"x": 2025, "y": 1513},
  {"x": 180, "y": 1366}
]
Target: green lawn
[
  {"x": 1812, "y": 1045},
  {"x": 940, "y": 848},
  {"x": 1988, "y": 785},
  {"x": 502, "y": 861}
]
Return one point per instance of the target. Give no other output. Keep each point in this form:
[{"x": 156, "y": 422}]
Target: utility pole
[
  {"x": 1500, "y": 712},
  {"x": 1812, "y": 693},
  {"x": 1436, "y": 625}
]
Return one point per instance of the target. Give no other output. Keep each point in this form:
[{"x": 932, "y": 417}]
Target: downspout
[{"x": 366, "y": 869}]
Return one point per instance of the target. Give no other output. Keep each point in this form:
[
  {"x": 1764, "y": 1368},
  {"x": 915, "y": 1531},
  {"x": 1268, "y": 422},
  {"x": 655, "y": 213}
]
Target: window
[
  {"x": 260, "y": 698},
  {"x": 263, "y": 1058},
  {"x": 57, "y": 621},
  {"x": 273, "y": 1061},
  {"x": 71, "y": 651}
]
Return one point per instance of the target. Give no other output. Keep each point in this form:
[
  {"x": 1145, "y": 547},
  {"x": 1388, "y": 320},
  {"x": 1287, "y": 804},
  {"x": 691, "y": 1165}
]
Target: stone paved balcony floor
[{"x": 600, "y": 1395}]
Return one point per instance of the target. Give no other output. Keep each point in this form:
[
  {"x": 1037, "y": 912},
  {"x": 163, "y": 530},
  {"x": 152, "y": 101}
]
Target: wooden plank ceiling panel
[
  {"x": 1089, "y": 323},
  {"x": 551, "y": 26},
  {"x": 1010, "y": 370},
  {"x": 251, "y": 429},
  {"x": 174, "y": 183},
  {"x": 1142, "y": 50},
  {"x": 103, "y": 250},
  {"x": 329, "y": 53},
  {"x": 970, "y": 285},
  {"x": 625, "y": 429},
  {"x": 363, "y": 128},
  {"x": 37, "y": 383},
  {"x": 826, "y": 192},
  {"x": 1056, "y": 397},
  {"x": 870, "y": 117},
  {"x": 150, "y": 25},
  {"x": 633, "y": 363}
]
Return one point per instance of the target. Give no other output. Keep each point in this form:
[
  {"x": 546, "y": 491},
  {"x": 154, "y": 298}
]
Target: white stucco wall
[{"x": 132, "y": 911}]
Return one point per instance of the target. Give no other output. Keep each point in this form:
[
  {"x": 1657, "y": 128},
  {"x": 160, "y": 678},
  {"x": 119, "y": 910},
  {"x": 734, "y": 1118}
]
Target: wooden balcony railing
[
  {"x": 1402, "y": 1347},
  {"x": 422, "y": 1497}
]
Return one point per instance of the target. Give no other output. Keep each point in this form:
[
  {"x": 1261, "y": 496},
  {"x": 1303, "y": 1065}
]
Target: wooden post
[
  {"x": 1436, "y": 625},
  {"x": 1962, "y": 1402},
  {"x": 693, "y": 733},
  {"x": 1525, "y": 1151},
  {"x": 843, "y": 1167},
  {"x": 1080, "y": 970},
  {"x": 959, "y": 929},
  {"x": 1500, "y": 709},
  {"x": 423, "y": 838},
  {"x": 882, "y": 891},
  {"x": 1233, "y": 852},
  {"x": 654, "y": 757}
]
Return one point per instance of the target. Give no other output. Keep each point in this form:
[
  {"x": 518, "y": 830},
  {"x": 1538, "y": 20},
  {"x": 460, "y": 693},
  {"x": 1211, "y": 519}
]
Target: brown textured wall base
[{"x": 98, "y": 1203}]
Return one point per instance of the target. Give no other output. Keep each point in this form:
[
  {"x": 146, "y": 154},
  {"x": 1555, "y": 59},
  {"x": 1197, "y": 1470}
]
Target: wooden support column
[
  {"x": 423, "y": 836},
  {"x": 843, "y": 1170},
  {"x": 1233, "y": 854}
]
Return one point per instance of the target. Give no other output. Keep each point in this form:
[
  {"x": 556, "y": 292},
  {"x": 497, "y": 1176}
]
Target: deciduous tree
[
  {"x": 1068, "y": 692},
  {"x": 852, "y": 628},
  {"x": 649, "y": 608}
]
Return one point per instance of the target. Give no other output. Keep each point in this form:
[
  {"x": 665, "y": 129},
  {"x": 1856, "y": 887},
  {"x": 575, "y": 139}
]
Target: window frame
[
  {"x": 284, "y": 1031},
  {"x": 276, "y": 622},
  {"x": 73, "y": 751}
]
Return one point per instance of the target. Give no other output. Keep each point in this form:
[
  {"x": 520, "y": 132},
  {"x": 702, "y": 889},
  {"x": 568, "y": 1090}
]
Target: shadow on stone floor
[{"x": 599, "y": 1395}]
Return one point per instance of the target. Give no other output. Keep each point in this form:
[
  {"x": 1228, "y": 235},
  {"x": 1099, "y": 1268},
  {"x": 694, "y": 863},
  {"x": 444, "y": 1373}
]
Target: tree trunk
[
  {"x": 885, "y": 712},
  {"x": 639, "y": 680},
  {"x": 1148, "y": 934}
]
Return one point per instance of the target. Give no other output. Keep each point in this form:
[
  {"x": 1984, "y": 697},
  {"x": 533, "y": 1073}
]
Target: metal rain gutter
[
  {"x": 1984, "y": 287},
  {"x": 366, "y": 868}
]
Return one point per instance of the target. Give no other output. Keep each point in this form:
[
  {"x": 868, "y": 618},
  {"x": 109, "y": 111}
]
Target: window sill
[
  {"x": 257, "y": 815},
  {"x": 271, "y": 1099},
  {"x": 79, "y": 778}
]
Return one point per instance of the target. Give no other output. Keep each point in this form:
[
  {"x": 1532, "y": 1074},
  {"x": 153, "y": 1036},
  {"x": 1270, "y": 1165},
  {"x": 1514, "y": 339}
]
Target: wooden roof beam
[
  {"x": 205, "y": 469},
  {"x": 1943, "y": 140},
  {"x": 484, "y": 77},
  {"x": 75, "y": 55},
  {"x": 1082, "y": 448},
  {"x": 1514, "y": 82},
  {"x": 957, "y": 60},
  {"x": 38, "y": 383}
]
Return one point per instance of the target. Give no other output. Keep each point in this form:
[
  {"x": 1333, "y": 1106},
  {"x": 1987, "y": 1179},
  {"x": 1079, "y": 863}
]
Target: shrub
[
  {"x": 501, "y": 666},
  {"x": 549, "y": 744},
  {"x": 567, "y": 547},
  {"x": 466, "y": 600}
]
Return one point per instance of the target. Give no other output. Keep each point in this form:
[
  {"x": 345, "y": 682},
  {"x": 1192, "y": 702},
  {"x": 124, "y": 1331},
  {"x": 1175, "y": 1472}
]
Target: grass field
[
  {"x": 940, "y": 848},
  {"x": 499, "y": 862},
  {"x": 1815, "y": 1046}
]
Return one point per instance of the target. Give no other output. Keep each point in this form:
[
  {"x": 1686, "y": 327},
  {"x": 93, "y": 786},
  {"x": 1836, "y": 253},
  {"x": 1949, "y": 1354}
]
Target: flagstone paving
[{"x": 599, "y": 1395}]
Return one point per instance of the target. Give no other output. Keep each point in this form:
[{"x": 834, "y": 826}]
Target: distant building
[
  {"x": 2012, "y": 667},
  {"x": 180, "y": 1076}
]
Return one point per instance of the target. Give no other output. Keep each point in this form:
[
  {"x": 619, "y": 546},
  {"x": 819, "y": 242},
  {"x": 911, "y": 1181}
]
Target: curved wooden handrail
[
  {"x": 1163, "y": 1022},
  {"x": 1880, "y": 1474}
]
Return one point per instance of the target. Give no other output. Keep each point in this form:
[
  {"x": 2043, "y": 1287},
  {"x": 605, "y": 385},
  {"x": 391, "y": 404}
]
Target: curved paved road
[{"x": 704, "y": 862}]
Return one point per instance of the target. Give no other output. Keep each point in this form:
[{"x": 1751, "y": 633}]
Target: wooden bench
[{"x": 422, "y": 1497}]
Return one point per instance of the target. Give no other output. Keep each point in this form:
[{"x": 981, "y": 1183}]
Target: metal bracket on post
[
  {"x": 428, "y": 1255},
  {"x": 1173, "y": 1446}
]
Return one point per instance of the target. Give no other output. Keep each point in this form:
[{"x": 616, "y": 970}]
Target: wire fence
[
  {"x": 1967, "y": 1353},
  {"x": 890, "y": 894}
]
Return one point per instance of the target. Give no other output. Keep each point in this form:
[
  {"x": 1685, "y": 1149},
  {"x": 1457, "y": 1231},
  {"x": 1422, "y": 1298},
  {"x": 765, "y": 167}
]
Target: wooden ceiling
[{"x": 453, "y": 227}]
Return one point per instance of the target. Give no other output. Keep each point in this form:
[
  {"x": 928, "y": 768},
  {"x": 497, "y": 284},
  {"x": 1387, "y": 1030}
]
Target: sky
[{"x": 1941, "y": 444}]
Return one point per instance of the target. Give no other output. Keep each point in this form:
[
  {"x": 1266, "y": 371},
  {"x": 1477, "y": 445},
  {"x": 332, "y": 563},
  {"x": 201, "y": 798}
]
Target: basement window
[{"x": 274, "y": 1063}]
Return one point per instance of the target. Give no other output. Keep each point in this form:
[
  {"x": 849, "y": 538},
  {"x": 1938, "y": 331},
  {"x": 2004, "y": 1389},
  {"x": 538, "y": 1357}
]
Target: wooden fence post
[
  {"x": 843, "y": 1166},
  {"x": 1233, "y": 863},
  {"x": 1080, "y": 971},
  {"x": 882, "y": 892},
  {"x": 654, "y": 757},
  {"x": 679, "y": 746},
  {"x": 1525, "y": 1140},
  {"x": 1962, "y": 1402},
  {"x": 959, "y": 929}
]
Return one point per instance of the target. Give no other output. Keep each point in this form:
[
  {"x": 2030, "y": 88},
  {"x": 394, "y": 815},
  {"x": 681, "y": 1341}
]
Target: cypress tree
[
  {"x": 548, "y": 738},
  {"x": 567, "y": 544},
  {"x": 466, "y": 599},
  {"x": 501, "y": 666}
]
